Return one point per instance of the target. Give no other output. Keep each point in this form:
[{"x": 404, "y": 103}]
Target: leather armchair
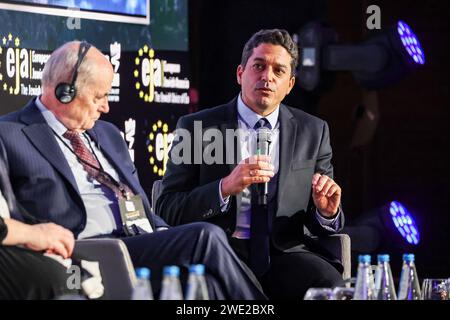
[{"x": 116, "y": 268}]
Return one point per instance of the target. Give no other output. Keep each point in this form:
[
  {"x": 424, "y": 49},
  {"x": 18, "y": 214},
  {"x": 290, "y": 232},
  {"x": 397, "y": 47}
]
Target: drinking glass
[
  {"x": 435, "y": 289},
  {"x": 319, "y": 294},
  {"x": 343, "y": 293}
]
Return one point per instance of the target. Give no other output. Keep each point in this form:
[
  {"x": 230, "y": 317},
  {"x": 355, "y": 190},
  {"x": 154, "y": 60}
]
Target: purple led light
[
  {"x": 410, "y": 42},
  {"x": 404, "y": 222}
]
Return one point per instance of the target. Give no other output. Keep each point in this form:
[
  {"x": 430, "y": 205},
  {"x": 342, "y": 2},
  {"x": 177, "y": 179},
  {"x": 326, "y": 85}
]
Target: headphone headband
[
  {"x": 82, "y": 52},
  {"x": 65, "y": 92}
]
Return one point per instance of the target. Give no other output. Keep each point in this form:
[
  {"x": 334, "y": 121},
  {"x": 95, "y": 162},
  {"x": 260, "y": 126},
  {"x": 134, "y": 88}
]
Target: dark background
[{"x": 407, "y": 157}]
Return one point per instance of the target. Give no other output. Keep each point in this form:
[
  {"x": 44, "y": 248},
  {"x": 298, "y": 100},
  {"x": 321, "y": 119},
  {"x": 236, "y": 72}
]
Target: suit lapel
[
  {"x": 113, "y": 156},
  {"x": 231, "y": 123},
  {"x": 288, "y": 136},
  {"x": 43, "y": 139}
]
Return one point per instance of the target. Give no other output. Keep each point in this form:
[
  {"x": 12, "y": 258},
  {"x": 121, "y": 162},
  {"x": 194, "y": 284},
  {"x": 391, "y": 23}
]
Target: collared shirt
[
  {"x": 100, "y": 202},
  {"x": 247, "y": 119},
  {"x": 4, "y": 210}
]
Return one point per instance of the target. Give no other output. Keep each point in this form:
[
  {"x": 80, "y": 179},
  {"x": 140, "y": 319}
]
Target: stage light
[
  {"x": 381, "y": 60},
  {"x": 390, "y": 227},
  {"x": 410, "y": 42},
  {"x": 404, "y": 222}
]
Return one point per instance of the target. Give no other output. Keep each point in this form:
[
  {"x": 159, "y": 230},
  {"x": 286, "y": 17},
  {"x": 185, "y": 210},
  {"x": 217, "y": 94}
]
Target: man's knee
[
  {"x": 208, "y": 231},
  {"x": 328, "y": 277},
  {"x": 331, "y": 280}
]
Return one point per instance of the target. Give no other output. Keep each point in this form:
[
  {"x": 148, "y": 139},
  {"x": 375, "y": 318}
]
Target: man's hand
[
  {"x": 50, "y": 237},
  {"x": 326, "y": 195},
  {"x": 254, "y": 169}
]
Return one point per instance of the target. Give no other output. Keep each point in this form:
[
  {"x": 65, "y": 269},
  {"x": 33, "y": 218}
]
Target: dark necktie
[
  {"x": 259, "y": 227},
  {"x": 92, "y": 167}
]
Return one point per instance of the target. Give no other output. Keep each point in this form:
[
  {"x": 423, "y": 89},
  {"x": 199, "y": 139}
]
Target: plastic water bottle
[
  {"x": 384, "y": 283},
  {"x": 171, "y": 286},
  {"x": 196, "y": 285},
  {"x": 142, "y": 289},
  {"x": 409, "y": 288},
  {"x": 364, "y": 287}
]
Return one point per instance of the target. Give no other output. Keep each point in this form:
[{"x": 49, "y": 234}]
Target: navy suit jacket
[
  {"x": 42, "y": 180},
  {"x": 191, "y": 191}
]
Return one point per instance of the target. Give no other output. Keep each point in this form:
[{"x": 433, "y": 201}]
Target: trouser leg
[
  {"x": 194, "y": 243},
  {"x": 292, "y": 274},
  {"x": 25, "y": 274}
]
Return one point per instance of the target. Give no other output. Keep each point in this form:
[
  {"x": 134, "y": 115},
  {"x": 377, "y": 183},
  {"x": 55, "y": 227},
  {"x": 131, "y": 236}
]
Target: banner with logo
[{"x": 150, "y": 89}]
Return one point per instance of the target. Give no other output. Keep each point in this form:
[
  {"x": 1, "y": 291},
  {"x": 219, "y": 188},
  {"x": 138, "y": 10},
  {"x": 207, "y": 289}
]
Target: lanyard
[{"x": 101, "y": 171}]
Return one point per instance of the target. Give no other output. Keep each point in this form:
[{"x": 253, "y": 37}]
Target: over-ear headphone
[{"x": 66, "y": 92}]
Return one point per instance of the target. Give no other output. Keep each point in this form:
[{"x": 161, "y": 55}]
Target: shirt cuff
[
  {"x": 329, "y": 224},
  {"x": 224, "y": 203}
]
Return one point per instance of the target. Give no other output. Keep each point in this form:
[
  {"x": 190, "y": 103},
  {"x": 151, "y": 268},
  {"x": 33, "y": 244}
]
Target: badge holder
[{"x": 135, "y": 221}]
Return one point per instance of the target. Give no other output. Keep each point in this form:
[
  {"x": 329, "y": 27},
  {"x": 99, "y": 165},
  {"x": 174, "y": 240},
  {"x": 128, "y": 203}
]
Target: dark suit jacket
[
  {"x": 191, "y": 191},
  {"x": 42, "y": 180}
]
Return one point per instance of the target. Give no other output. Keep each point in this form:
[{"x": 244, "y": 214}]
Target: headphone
[{"x": 66, "y": 92}]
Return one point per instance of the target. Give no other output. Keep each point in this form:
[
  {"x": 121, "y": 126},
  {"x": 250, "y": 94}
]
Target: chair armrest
[
  {"x": 156, "y": 192},
  {"x": 116, "y": 266},
  {"x": 338, "y": 245}
]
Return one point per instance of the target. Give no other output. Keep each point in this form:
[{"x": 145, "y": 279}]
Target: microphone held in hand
[{"x": 262, "y": 148}]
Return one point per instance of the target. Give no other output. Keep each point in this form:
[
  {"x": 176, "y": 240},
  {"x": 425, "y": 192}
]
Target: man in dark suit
[
  {"x": 25, "y": 273},
  {"x": 68, "y": 167},
  {"x": 302, "y": 198}
]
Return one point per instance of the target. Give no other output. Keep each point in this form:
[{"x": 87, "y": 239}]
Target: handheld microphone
[{"x": 262, "y": 148}]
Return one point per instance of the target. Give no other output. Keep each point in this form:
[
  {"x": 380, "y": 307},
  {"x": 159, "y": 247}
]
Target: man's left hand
[{"x": 326, "y": 195}]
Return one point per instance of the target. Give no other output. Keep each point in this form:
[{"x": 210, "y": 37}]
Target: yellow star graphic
[
  {"x": 10, "y": 90},
  {"x": 1, "y": 50},
  {"x": 9, "y": 37},
  {"x": 1, "y": 77},
  {"x": 17, "y": 42},
  {"x": 5, "y": 86},
  {"x": 4, "y": 40}
]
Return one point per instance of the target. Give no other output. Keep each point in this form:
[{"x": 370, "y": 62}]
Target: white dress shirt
[{"x": 247, "y": 119}]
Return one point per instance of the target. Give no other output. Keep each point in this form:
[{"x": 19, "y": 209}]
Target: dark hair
[{"x": 273, "y": 36}]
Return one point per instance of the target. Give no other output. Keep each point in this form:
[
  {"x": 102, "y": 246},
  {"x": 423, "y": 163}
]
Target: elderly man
[{"x": 69, "y": 167}]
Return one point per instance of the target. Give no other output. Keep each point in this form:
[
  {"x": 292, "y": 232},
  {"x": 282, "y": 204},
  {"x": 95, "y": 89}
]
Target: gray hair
[
  {"x": 273, "y": 36},
  {"x": 61, "y": 64}
]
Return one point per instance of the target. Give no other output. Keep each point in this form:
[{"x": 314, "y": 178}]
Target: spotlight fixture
[
  {"x": 390, "y": 226},
  {"x": 404, "y": 222},
  {"x": 410, "y": 42},
  {"x": 381, "y": 60}
]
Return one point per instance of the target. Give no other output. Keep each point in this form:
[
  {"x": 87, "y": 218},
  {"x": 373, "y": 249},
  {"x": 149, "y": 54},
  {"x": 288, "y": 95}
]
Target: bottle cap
[
  {"x": 143, "y": 273},
  {"x": 409, "y": 257},
  {"x": 171, "y": 271},
  {"x": 197, "y": 269},
  {"x": 383, "y": 258},
  {"x": 365, "y": 258}
]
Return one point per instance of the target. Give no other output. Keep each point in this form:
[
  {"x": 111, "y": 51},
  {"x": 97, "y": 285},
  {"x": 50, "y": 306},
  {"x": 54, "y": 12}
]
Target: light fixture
[
  {"x": 404, "y": 222},
  {"x": 381, "y": 60},
  {"x": 391, "y": 226}
]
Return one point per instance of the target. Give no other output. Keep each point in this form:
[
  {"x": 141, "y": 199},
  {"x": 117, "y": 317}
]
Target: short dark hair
[{"x": 273, "y": 36}]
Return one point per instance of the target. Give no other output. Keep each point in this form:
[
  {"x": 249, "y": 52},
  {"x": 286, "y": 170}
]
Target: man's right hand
[
  {"x": 254, "y": 169},
  {"x": 50, "y": 237}
]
